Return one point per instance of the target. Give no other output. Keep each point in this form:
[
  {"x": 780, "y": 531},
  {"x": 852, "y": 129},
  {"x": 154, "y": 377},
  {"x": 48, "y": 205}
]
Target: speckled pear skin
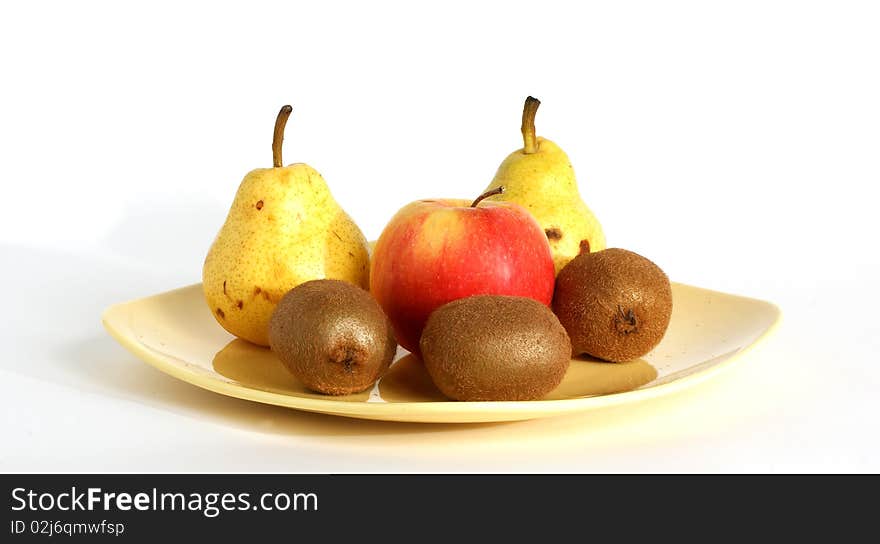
[
  {"x": 284, "y": 228},
  {"x": 544, "y": 183}
]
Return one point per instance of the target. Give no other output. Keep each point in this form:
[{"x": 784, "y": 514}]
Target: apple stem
[
  {"x": 487, "y": 194},
  {"x": 278, "y": 136},
  {"x": 530, "y": 141}
]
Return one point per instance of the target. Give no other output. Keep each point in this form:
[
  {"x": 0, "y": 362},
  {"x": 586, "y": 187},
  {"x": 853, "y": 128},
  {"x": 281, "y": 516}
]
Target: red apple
[{"x": 436, "y": 251}]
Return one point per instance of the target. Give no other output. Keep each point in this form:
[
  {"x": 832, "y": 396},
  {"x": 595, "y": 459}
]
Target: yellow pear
[
  {"x": 540, "y": 177},
  {"x": 284, "y": 228}
]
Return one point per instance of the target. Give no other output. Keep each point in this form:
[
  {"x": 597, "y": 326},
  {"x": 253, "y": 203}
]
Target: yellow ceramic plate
[{"x": 176, "y": 333}]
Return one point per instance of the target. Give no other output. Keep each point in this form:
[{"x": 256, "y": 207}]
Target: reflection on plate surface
[
  {"x": 175, "y": 332},
  {"x": 259, "y": 368},
  {"x": 408, "y": 381}
]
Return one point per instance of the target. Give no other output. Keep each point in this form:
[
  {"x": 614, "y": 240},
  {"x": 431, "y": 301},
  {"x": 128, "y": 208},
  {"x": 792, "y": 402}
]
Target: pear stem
[
  {"x": 487, "y": 194},
  {"x": 278, "y": 136},
  {"x": 530, "y": 141}
]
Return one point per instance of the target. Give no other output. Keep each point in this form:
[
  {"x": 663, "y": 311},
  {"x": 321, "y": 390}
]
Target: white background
[{"x": 734, "y": 143}]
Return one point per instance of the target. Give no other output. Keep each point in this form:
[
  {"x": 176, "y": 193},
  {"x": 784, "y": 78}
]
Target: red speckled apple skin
[{"x": 436, "y": 251}]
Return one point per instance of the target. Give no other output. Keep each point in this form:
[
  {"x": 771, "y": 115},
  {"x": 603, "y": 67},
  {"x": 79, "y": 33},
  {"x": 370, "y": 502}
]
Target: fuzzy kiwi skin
[
  {"x": 615, "y": 304},
  {"x": 493, "y": 347},
  {"x": 333, "y": 336}
]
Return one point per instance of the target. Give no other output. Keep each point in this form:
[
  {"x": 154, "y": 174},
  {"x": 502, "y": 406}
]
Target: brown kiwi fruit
[
  {"x": 615, "y": 304},
  {"x": 493, "y": 347},
  {"x": 333, "y": 336}
]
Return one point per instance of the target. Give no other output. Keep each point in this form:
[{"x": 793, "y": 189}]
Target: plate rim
[{"x": 409, "y": 411}]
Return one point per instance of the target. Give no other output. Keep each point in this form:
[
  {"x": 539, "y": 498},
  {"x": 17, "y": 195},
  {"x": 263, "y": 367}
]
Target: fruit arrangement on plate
[{"x": 494, "y": 295}]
